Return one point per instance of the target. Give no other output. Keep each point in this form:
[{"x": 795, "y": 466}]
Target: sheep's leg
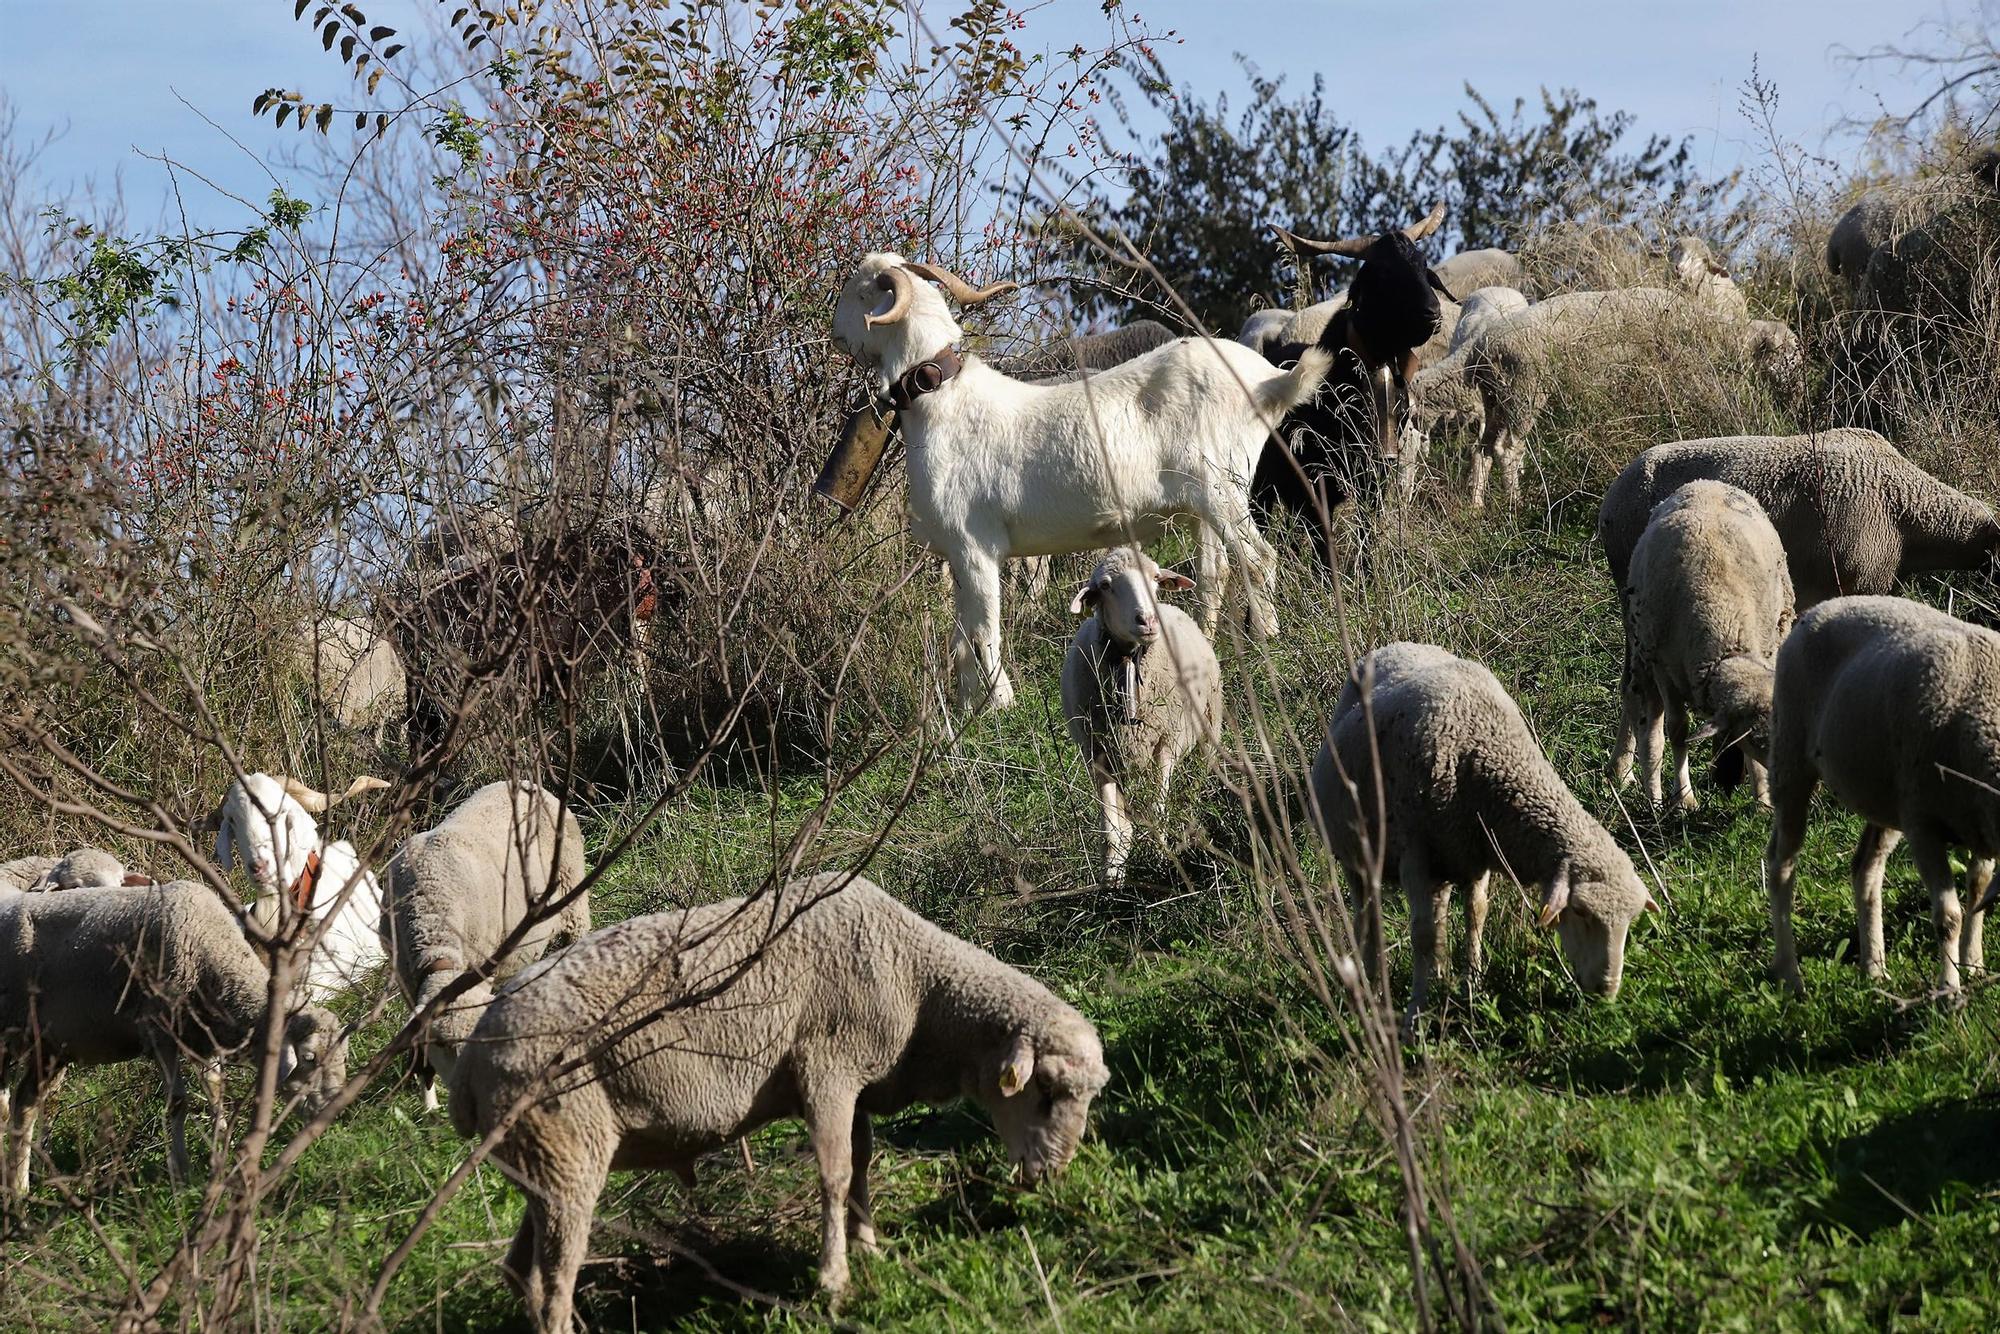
[
  {"x": 1676, "y": 723},
  {"x": 1165, "y": 766},
  {"x": 171, "y": 1072},
  {"x": 1489, "y": 447},
  {"x": 1117, "y": 829},
  {"x": 1632, "y": 716},
  {"x": 1947, "y": 915},
  {"x": 1421, "y": 889},
  {"x": 975, "y": 648},
  {"x": 37, "y": 1082},
  {"x": 860, "y": 1214},
  {"x": 1972, "y": 944},
  {"x": 1649, "y": 718},
  {"x": 1870, "y": 856},
  {"x": 425, "y": 1076},
  {"x": 1760, "y": 782},
  {"x": 1511, "y": 458},
  {"x": 1475, "y": 931},
  {"x": 830, "y": 1114},
  {"x": 1789, "y": 805},
  {"x": 563, "y": 1240}
]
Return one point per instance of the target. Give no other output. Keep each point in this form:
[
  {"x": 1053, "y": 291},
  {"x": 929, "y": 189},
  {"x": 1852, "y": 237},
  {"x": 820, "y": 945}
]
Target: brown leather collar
[
  {"x": 925, "y": 377},
  {"x": 301, "y": 892}
]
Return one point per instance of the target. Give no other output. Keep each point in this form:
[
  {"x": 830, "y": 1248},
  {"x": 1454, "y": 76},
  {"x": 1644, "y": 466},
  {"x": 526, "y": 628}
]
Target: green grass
[{"x": 1704, "y": 1153}]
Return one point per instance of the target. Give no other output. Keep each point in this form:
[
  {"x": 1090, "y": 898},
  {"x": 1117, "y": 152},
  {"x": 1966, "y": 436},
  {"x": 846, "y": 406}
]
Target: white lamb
[{"x": 999, "y": 468}]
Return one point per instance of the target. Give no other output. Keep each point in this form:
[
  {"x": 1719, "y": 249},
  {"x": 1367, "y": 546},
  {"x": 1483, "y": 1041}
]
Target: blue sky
[{"x": 121, "y": 78}]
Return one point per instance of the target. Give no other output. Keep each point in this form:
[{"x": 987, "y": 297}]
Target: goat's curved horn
[
  {"x": 961, "y": 291},
  {"x": 312, "y": 799},
  {"x": 897, "y": 281},
  {"x": 1351, "y": 246},
  {"x": 362, "y": 783},
  {"x": 1417, "y": 231}
]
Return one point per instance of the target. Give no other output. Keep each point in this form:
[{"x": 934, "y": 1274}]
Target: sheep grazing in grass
[
  {"x": 1141, "y": 688},
  {"x": 1086, "y": 354},
  {"x": 1515, "y": 363},
  {"x": 1855, "y": 516},
  {"x": 118, "y": 974},
  {"x": 1707, "y": 600},
  {"x": 356, "y": 674},
  {"x": 1470, "y": 270},
  {"x": 1464, "y": 790},
  {"x": 1898, "y": 233},
  {"x": 1697, "y": 272},
  {"x": 507, "y": 854},
  {"x": 1895, "y": 707},
  {"x": 267, "y": 823},
  {"x": 1337, "y": 446},
  {"x": 1000, "y": 468},
  {"x": 651, "y": 1042},
  {"x": 84, "y": 868}
]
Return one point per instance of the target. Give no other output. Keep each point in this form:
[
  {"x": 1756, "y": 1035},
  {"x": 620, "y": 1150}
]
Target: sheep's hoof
[
  {"x": 1787, "y": 976},
  {"x": 833, "y": 1285},
  {"x": 1689, "y": 802}
]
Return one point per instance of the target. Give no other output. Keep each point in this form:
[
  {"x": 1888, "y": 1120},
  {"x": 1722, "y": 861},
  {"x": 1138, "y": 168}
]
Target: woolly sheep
[
  {"x": 1514, "y": 363},
  {"x": 1895, "y": 707},
  {"x": 1443, "y": 397},
  {"x": 267, "y": 823},
  {"x": 84, "y": 868},
  {"x": 455, "y": 893},
  {"x": 1000, "y": 468},
  {"x": 1466, "y": 790},
  {"x": 1083, "y": 354},
  {"x": 1140, "y": 687},
  {"x": 1707, "y": 602},
  {"x": 1855, "y": 516},
  {"x": 651, "y": 1042},
  {"x": 117, "y": 974},
  {"x": 1894, "y": 231},
  {"x": 355, "y": 672},
  {"x": 1697, "y": 272},
  {"x": 1470, "y": 270}
]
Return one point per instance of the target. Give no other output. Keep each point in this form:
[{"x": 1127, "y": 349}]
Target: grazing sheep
[
  {"x": 1899, "y": 232},
  {"x": 118, "y": 974},
  {"x": 1855, "y": 516},
  {"x": 651, "y": 1042},
  {"x": 455, "y": 893},
  {"x": 267, "y": 823},
  {"x": 1896, "y": 708},
  {"x": 1465, "y": 790},
  {"x": 84, "y": 868},
  {"x": 1140, "y": 687},
  {"x": 1084, "y": 354},
  {"x": 1471, "y": 270},
  {"x": 355, "y": 672},
  {"x": 1515, "y": 362},
  {"x": 1697, "y": 272},
  {"x": 1336, "y": 446},
  {"x": 1000, "y": 468},
  {"x": 1707, "y": 601}
]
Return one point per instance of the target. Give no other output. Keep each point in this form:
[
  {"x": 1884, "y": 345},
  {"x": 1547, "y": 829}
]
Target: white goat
[
  {"x": 999, "y": 468},
  {"x": 268, "y": 823}
]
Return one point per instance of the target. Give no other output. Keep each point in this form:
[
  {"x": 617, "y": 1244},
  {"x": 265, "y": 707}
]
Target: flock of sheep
[{"x": 1752, "y": 574}]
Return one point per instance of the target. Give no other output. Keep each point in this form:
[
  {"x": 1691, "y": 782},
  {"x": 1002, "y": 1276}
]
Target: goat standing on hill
[
  {"x": 1335, "y": 446},
  {"x": 999, "y": 468}
]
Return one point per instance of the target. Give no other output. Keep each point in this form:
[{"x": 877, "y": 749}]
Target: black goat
[{"x": 1338, "y": 447}]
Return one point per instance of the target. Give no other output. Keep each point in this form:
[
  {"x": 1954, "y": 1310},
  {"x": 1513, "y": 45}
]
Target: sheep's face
[
  {"x": 1123, "y": 591},
  {"x": 1039, "y": 1095},
  {"x": 890, "y": 348},
  {"x": 314, "y": 1059},
  {"x": 1693, "y": 265},
  {"x": 1592, "y": 917},
  {"x": 268, "y": 830},
  {"x": 1741, "y": 723}
]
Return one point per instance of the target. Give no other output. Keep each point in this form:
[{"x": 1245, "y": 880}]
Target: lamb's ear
[
  {"x": 1557, "y": 897},
  {"x": 1085, "y": 601},
  {"x": 1171, "y": 581},
  {"x": 1706, "y": 732},
  {"x": 1017, "y": 1068}
]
